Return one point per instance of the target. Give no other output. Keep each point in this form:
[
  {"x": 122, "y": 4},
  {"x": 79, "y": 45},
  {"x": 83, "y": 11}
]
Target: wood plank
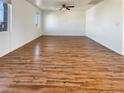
[{"x": 62, "y": 65}]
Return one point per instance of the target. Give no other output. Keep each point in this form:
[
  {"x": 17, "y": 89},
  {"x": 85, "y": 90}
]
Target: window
[
  {"x": 37, "y": 20},
  {"x": 4, "y": 16}
]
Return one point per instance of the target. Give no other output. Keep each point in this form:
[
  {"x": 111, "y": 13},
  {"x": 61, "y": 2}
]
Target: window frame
[
  {"x": 9, "y": 20},
  {"x": 38, "y": 20}
]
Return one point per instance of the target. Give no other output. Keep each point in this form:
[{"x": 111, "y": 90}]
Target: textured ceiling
[{"x": 56, "y": 4}]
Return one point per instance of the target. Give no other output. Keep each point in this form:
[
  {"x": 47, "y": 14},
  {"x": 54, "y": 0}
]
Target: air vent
[{"x": 94, "y": 2}]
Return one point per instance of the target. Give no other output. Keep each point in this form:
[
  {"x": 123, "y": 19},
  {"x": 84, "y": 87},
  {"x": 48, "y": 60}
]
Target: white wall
[
  {"x": 64, "y": 23},
  {"x": 123, "y": 25},
  {"x": 104, "y": 24},
  {"x": 23, "y": 27}
]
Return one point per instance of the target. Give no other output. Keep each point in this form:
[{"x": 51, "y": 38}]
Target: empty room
[{"x": 61, "y": 46}]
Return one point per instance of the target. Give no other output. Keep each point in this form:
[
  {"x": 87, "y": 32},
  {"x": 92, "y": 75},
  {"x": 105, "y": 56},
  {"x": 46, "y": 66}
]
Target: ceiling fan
[{"x": 66, "y": 7}]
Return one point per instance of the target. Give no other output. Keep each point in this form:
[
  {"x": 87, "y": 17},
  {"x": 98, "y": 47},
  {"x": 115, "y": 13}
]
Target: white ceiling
[{"x": 56, "y": 4}]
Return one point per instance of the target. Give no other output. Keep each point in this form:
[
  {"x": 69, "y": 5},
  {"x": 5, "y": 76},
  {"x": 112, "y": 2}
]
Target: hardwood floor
[{"x": 62, "y": 65}]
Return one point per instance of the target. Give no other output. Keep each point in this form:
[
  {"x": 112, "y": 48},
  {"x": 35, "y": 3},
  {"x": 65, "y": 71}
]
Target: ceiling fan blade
[{"x": 68, "y": 8}]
